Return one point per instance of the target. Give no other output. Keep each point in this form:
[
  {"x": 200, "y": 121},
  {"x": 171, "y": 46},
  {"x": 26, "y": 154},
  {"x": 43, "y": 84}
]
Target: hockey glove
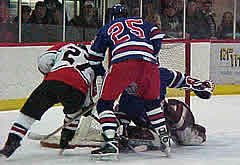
[
  {"x": 204, "y": 89},
  {"x": 66, "y": 136}
]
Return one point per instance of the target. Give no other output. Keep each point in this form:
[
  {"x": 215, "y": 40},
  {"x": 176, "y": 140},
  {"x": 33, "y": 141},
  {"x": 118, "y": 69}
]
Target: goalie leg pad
[{"x": 194, "y": 135}]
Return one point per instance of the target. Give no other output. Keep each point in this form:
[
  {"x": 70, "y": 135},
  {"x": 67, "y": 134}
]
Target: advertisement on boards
[{"x": 225, "y": 63}]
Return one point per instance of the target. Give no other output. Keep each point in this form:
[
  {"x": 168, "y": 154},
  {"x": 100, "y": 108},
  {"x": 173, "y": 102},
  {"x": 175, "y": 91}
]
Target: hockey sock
[
  {"x": 22, "y": 125},
  {"x": 74, "y": 124},
  {"x": 157, "y": 119},
  {"x": 108, "y": 122}
]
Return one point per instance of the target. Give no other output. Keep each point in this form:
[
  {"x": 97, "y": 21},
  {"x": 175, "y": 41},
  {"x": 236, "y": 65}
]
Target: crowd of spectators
[
  {"x": 47, "y": 16},
  {"x": 200, "y": 20},
  {"x": 200, "y": 24},
  {"x": 44, "y": 12},
  {"x": 88, "y": 17},
  {"x": 45, "y": 20}
]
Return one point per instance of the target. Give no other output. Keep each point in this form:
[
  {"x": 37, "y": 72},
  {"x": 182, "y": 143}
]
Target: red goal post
[{"x": 176, "y": 54}]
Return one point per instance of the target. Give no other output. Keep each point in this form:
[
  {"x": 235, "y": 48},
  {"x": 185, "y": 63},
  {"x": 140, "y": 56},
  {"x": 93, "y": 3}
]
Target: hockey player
[
  {"x": 180, "y": 120},
  {"x": 69, "y": 80},
  {"x": 133, "y": 45}
]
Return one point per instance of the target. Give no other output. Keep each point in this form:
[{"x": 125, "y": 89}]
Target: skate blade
[
  {"x": 105, "y": 157},
  {"x": 166, "y": 154},
  {"x": 61, "y": 152},
  {"x": 2, "y": 156}
]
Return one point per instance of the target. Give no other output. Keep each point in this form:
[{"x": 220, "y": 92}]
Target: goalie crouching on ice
[{"x": 180, "y": 120}]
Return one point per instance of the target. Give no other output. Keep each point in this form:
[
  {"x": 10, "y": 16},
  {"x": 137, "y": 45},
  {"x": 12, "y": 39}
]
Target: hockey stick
[{"x": 35, "y": 136}]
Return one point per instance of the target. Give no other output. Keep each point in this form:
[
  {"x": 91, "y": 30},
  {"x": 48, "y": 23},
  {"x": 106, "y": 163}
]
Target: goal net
[{"x": 173, "y": 55}]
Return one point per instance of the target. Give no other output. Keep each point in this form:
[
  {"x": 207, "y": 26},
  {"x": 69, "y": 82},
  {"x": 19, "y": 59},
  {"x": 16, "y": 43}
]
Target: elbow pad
[{"x": 46, "y": 62}]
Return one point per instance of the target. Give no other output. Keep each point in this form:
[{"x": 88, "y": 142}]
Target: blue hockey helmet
[{"x": 119, "y": 11}]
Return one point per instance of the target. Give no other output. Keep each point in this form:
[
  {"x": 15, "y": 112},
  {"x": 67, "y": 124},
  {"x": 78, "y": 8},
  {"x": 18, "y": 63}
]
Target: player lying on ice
[
  {"x": 180, "y": 120},
  {"x": 69, "y": 79}
]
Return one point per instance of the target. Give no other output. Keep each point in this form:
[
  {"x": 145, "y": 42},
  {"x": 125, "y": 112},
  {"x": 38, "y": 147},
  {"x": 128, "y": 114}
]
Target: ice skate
[
  {"x": 10, "y": 146},
  {"x": 164, "y": 142},
  {"x": 109, "y": 151}
]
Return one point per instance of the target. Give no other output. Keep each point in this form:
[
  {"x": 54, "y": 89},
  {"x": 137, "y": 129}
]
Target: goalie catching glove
[{"x": 204, "y": 89}]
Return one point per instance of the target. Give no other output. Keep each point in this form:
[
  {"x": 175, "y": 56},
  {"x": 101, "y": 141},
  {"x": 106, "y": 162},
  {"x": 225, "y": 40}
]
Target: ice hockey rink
[{"x": 220, "y": 116}]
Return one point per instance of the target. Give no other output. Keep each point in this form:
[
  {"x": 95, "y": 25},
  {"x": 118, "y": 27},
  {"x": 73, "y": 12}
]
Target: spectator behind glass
[
  {"x": 155, "y": 19},
  {"x": 26, "y": 13},
  {"x": 39, "y": 14},
  {"x": 7, "y": 29},
  {"x": 205, "y": 6},
  {"x": 171, "y": 23},
  {"x": 55, "y": 12},
  {"x": 225, "y": 29},
  {"x": 3, "y": 12},
  {"x": 199, "y": 25},
  {"x": 147, "y": 8},
  {"x": 88, "y": 18}
]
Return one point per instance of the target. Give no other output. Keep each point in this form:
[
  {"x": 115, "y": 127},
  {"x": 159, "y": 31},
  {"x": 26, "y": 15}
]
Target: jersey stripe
[
  {"x": 133, "y": 53},
  {"x": 177, "y": 80},
  {"x": 130, "y": 43}
]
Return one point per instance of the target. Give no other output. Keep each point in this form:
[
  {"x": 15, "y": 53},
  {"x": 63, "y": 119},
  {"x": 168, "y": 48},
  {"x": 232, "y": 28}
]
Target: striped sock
[{"x": 108, "y": 122}]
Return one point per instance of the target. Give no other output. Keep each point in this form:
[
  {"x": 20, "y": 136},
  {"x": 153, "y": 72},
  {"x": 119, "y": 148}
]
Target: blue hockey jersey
[
  {"x": 170, "y": 79},
  {"x": 134, "y": 106},
  {"x": 127, "y": 38}
]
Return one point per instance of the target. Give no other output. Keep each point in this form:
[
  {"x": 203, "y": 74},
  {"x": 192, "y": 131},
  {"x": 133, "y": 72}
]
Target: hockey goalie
[
  {"x": 180, "y": 120},
  {"x": 181, "y": 126}
]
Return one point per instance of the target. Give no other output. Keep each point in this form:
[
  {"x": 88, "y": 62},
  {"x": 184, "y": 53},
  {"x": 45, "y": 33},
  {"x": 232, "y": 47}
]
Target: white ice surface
[{"x": 220, "y": 115}]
